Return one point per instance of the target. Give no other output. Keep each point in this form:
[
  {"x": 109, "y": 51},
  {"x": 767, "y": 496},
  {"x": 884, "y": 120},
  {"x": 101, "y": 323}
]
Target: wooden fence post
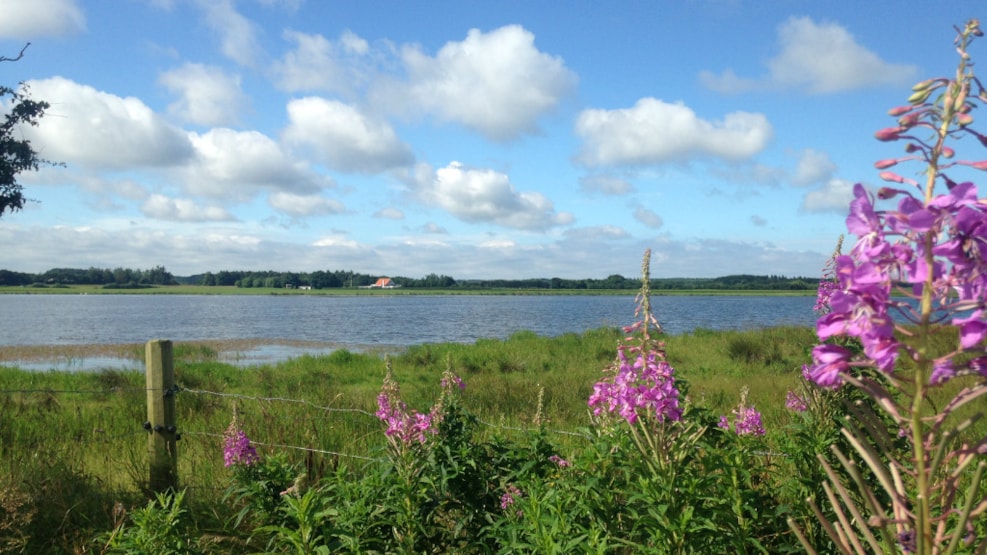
[{"x": 161, "y": 447}]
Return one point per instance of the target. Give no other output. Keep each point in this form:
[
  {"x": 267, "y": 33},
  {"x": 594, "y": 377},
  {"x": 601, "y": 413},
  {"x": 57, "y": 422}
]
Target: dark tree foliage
[{"x": 16, "y": 154}]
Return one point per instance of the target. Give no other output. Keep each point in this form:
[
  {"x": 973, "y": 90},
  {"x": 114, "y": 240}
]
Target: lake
[{"x": 367, "y": 321}]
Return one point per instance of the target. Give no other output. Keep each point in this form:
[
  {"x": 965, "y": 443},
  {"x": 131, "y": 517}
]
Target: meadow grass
[{"x": 74, "y": 445}]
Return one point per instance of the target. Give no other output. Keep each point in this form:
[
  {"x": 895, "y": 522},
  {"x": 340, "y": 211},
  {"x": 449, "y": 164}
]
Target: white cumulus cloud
[
  {"x": 29, "y": 19},
  {"x": 343, "y": 138},
  {"x": 160, "y": 207},
  {"x": 236, "y": 164},
  {"x": 487, "y": 196},
  {"x": 813, "y": 167},
  {"x": 304, "y": 205},
  {"x": 834, "y": 196},
  {"x": 818, "y": 58},
  {"x": 496, "y": 83},
  {"x": 655, "y": 132},
  {"x": 94, "y": 128},
  {"x": 237, "y": 34},
  {"x": 389, "y": 214},
  {"x": 317, "y": 63},
  {"x": 207, "y": 95},
  {"x": 648, "y": 217}
]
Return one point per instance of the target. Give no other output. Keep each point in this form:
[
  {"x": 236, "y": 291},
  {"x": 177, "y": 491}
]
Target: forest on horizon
[{"x": 329, "y": 279}]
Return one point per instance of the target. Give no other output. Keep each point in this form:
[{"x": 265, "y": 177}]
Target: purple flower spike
[
  {"x": 795, "y": 403},
  {"x": 830, "y": 362},
  {"x": 237, "y": 449}
]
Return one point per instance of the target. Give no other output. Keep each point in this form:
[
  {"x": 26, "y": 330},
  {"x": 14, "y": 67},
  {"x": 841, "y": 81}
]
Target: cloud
[
  {"x": 496, "y": 83},
  {"x": 648, "y": 217},
  {"x": 656, "y": 132},
  {"x": 758, "y": 221},
  {"x": 819, "y": 58},
  {"x": 486, "y": 196},
  {"x": 339, "y": 240},
  {"x": 304, "y": 205},
  {"x": 834, "y": 196},
  {"x": 389, "y": 214},
  {"x": 343, "y": 138},
  {"x": 160, "y": 207},
  {"x": 238, "y": 35},
  {"x": 94, "y": 128},
  {"x": 207, "y": 95},
  {"x": 235, "y": 164},
  {"x": 813, "y": 167},
  {"x": 596, "y": 233},
  {"x": 30, "y": 19},
  {"x": 605, "y": 184},
  {"x": 433, "y": 228},
  {"x": 593, "y": 252},
  {"x": 317, "y": 63}
]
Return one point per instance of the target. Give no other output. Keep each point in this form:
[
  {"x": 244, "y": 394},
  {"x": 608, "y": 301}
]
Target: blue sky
[{"x": 473, "y": 139}]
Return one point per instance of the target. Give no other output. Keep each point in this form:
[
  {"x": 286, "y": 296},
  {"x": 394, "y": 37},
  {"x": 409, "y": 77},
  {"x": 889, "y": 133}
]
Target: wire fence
[{"x": 142, "y": 428}]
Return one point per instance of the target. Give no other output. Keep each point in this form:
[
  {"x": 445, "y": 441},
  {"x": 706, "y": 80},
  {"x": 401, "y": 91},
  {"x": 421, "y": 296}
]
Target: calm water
[{"x": 364, "y": 321}]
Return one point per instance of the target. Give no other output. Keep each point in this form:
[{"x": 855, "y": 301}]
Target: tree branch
[{"x": 19, "y": 56}]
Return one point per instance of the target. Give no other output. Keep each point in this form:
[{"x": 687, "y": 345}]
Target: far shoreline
[{"x": 233, "y": 290}]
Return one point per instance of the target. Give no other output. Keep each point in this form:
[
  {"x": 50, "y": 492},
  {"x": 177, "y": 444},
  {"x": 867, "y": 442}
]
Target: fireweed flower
[
  {"x": 562, "y": 463},
  {"x": 237, "y": 449},
  {"x": 939, "y": 245},
  {"x": 510, "y": 496},
  {"x": 411, "y": 426},
  {"x": 402, "y": 425},
  {"x": 795, "y": 403},
  {"x": 746, "y": 419},
  {"x": 724, "y": 423},
  {"x": 641, "y": 382},
  {"x": 747, "y": 422}
]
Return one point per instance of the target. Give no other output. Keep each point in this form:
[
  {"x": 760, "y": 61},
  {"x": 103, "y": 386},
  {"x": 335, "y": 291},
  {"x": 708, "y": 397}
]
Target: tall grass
[{"x": 72, "y": 445}]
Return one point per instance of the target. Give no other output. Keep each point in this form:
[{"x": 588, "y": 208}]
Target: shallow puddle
[{"x": 95, "y": 358}]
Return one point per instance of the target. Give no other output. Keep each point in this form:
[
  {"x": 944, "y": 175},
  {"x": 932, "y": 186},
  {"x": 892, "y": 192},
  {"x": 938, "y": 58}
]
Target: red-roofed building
[{"x": 384, "y": 283}]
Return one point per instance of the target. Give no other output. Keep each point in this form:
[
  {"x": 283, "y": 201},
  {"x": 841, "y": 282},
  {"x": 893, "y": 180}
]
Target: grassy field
[
  {"x": 72, "y": 445},
  {"x": 75, "y": 440}
]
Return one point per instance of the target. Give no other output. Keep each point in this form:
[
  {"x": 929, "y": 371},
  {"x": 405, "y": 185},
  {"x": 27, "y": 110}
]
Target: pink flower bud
[
  {"x": 885, "y": 164},
  {"x": 888, "y": 134},
  {"x": 900, "y": 110},
  {"x": 910, "y": 119},
  {"x": 892, "y": 177},
  {"x": 981, "y": 165},
  {"x": 964, "y": 119},
  {"x": 947, "y": 152}
]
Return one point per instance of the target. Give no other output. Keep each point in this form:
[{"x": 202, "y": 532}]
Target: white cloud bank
[
  {"x": 819, "y": 58},
  {"x": 207, "y": 95},
  {"x": 343, "y": 138},
  {"x": 656, "y": 132},
  {"x": 101, "y": 130},
  {"x": 30, "y": 19},
  {"x": 484, "y": 195},
  {"x": 496, "y": 83}
]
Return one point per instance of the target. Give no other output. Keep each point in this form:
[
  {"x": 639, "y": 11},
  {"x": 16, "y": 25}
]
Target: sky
[{"x": 480, "y": 140}]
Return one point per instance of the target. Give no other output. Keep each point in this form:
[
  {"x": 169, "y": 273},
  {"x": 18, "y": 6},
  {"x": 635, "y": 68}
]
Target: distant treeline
[
  {"x": 119, "y": 277},
  {"x": 123, "y": 277}
]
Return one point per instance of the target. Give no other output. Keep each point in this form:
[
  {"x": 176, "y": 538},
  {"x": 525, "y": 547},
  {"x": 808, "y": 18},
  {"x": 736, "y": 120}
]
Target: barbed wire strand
[
  {"x": 278, "y": 399},
  {"x": 78, "y": 391},
  {"x": 362, "y": 411},
  {"x": 281, "y": 446}
]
